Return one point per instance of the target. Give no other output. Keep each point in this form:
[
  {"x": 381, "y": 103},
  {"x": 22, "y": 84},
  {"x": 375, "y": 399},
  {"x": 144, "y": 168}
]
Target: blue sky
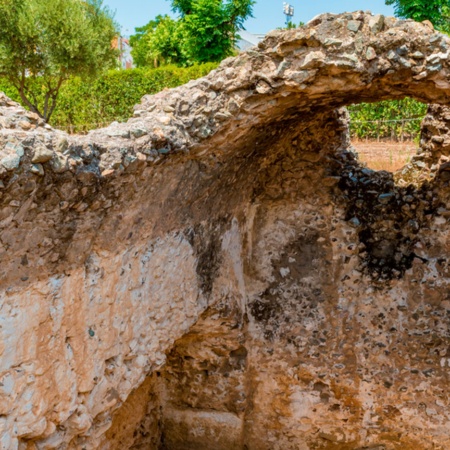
[{"x": 268, "y": 14}]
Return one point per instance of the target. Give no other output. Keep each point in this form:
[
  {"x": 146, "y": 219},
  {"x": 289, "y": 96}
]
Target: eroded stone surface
[
  {"x": 336, "y": 349},
  {"x": 224, "y": 256}
]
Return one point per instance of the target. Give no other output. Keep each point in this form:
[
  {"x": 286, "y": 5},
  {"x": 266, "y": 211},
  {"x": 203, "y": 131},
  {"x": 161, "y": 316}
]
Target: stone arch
[
  {"x": 224, "y": 210},
  {"x": 334, "y": 61}
]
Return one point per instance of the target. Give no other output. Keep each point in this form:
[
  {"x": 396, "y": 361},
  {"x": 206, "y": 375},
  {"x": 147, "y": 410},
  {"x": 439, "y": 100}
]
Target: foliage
[
  {"x": 139, "y": 44},
  {"x": 45, "y": 42},
  {"x": 436, "y": 11},
  {"x": 290, "y": 25},
  {"x": 157, "y": 43},
  {"x": 207, "y": 30},
  {"x": 87, "y": 105},
  {"x": 236, "y": 11},
  {"x": 164, "y": 43},
  {"x": 387, "y": 119}
]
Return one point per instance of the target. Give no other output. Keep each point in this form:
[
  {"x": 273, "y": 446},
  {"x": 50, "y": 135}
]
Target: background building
[{"x": 248, "y": 40}]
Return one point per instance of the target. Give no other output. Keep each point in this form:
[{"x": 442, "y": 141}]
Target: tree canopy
[
  {"x": 157, "y": 43},
  {"x": 436, "y": 11},
  {"x": 48, "y": 41},
  {"x": 206, "y": 31}
]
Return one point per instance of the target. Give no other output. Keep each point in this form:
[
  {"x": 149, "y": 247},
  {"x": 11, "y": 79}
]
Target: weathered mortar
[{"x": 300, "y": 301}]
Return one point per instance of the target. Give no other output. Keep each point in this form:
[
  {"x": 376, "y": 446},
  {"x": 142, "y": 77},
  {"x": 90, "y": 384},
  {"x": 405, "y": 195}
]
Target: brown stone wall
[
  {"x": 220, "y": 271},
  {"x": 343, "y": 339}
]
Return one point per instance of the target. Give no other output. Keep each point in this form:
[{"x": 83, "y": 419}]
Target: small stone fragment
[
  {"x": 392, "y": 55},
  {"x": 370, "y": 54},
  {"x": 32, "y": 116},
  {"x": 353, "y": 25},
  {"x": 42, "y": 155},
  {"x": 139, "y": 113},
  {"x": 376, "y": 23},
  {"x": 138, "y": 132},
  {"x": 62, "y": 145},
  {"x": 108, "y": 172},
  {"x": 165, "y": 120},
  {"x": 25, "y": 125},
  {"x": 354, "y": 222},
  {"x": 37, "y": 169},
  {"x": 418, "y": 55},
  {"x": 262, "y": 87},
  {"x": 386, "y": 198},
  {"x": 11, "y": 162},
  {"x": 332, "y": 42},
  {"x": 421, "y": 75},
  {"x": 313, "y": 59},
  {"x": 59, "y": 163}
]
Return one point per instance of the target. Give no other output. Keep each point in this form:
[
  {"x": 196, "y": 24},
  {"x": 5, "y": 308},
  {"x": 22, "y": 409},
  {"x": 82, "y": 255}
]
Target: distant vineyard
[{"x": 396, "y": 120}]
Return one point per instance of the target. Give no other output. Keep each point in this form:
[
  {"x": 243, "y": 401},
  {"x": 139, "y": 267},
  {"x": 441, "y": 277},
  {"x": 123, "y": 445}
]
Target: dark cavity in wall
[
  {"x": 206, "y": 241},
  {"x": 388, "y": 218}
]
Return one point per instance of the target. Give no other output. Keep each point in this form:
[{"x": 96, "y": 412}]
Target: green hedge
[
  {"x": 85, "y": 105},
  {"x": 393, "y": 119}
]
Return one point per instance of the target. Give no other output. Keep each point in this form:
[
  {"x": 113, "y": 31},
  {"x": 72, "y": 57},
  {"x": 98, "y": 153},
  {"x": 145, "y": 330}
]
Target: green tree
[
  {"x": 157, "y": 43},
  {"x": 206, "y": 31},
  {"x": 210, "y": 28},
  {"x": 436, "y": 11},
  {"x": 139, "y": 47},
  {"x": 45, "y": 42},
  {"x": 165, "y": 43}
]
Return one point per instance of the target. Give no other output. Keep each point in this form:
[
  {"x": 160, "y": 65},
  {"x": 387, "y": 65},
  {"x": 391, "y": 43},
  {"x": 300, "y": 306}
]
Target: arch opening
[{"x": 386, "y": 135}]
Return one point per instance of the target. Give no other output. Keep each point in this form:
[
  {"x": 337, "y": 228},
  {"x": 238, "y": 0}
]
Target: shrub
[{"x": 83, "y": 106}]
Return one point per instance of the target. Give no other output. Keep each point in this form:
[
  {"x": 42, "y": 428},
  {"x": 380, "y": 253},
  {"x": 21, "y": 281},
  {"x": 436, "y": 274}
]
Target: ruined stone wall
[
  {"x": 344, "y": 342},
  {"x": 220, "y": 271}
]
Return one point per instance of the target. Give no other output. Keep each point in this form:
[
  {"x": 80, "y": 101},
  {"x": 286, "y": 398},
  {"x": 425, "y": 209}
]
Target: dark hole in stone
[{"x": 387, "y": 217}]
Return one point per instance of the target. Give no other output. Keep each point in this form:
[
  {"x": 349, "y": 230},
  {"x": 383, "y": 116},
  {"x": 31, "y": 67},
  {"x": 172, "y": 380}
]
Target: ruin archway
[{"x": 225, "y": 205}]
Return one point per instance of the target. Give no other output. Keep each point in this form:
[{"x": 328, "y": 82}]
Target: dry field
[{"x": 387, "y": 155}]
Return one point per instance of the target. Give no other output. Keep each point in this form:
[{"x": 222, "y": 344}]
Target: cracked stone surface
[{"x": 221, "y": 271}]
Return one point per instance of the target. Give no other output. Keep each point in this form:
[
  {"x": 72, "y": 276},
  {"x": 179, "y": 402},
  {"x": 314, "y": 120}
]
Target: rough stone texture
[
  {"x": 221, "y": 272},
  {"x": 435, "y": 139}
]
